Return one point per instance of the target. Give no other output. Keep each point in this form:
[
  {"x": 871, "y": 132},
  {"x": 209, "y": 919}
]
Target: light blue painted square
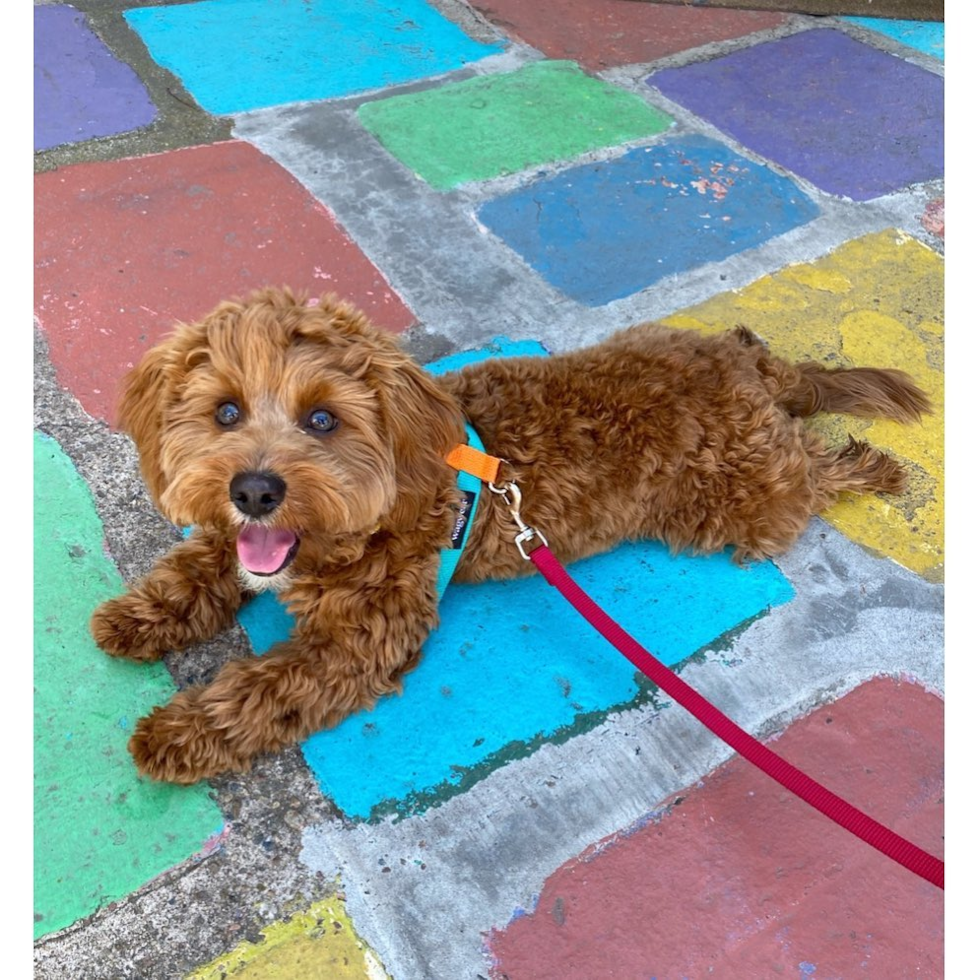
[
  {"x": 512, "y": 664},
  {"x": 238, "y": 55},
  {"x": 926, "y": 36},
  {"x": 604, "y": 230}
]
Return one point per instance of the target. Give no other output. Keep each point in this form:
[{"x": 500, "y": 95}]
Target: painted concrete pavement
[{"x": 483, "y": 179}]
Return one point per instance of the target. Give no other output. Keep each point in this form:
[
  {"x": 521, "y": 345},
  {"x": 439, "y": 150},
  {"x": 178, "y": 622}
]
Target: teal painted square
[
  {"x": 605, "y": 230},
  {"x": 100, "y": 832},
  {"x": 238, "y": 55},
  {"x": 512, "y": 665},
  {"x": 926, "y": 36},
  {"x": 492, "y": 125}
]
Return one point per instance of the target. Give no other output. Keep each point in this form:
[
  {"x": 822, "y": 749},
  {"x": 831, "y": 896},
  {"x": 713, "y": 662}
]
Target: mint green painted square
[
  {"x": 499, "y": 124},
  {"x": 99, "y": 831}
]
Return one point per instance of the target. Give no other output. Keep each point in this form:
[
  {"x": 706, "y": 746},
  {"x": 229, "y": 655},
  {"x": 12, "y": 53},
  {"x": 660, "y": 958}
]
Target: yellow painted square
[
  {"x": 314, "y": 944},
  {"x": 876, "y": 301}
]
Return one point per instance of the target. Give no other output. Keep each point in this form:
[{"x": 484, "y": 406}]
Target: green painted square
[
  {"x": 499, "y": 124},
  {"x": 99, "y": 831}
]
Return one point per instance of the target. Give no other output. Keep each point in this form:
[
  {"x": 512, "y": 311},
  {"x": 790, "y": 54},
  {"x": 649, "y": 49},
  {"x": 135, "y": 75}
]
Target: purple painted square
[
  {"x": 80, "y": 90},
  {"x": 851, "y": 119}
]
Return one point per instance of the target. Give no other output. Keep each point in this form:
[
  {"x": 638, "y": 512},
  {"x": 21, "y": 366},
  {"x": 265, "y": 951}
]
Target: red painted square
[
  {"x": 738, "y": 878},
  {"x": 125, "y": 249},
  {"x": 934, "y": 217},
  {"x": 602, "y": 34}
]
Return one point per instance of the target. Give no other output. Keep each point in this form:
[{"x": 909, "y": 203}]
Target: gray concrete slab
[{"x": 486, "y": 852}]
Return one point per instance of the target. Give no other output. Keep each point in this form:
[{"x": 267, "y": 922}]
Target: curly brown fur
[{"x": 308, "y": 452}]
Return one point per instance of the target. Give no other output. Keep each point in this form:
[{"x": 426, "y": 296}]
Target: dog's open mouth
[{"x": 266, "y": 550}]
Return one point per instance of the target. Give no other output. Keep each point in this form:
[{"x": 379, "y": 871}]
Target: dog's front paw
[
  {"x": 177, "y": 744},
  {"x": 129, "y": 626}
]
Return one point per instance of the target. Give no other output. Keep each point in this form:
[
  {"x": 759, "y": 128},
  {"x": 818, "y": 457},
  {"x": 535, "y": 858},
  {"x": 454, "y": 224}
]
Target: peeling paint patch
[{"x": 934, "y": 218}]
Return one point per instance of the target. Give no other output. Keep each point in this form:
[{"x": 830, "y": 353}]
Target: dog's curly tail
[{"x": 869, "y": 392}]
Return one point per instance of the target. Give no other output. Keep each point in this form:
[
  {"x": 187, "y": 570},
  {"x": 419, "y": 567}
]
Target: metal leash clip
[{"x": 512, "y": 498}]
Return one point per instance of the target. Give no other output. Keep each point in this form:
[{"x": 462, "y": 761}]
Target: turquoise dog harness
[{"x": 469, "y": 487}]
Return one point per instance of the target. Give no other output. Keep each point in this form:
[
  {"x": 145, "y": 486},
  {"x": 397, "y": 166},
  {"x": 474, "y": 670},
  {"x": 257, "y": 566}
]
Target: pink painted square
[
  {"x": 602, "y": 34},
  {"x": 125, "y": 249},
  {"x": 736, "y": 877}
]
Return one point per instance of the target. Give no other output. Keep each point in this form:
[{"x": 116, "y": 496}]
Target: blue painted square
[
  {"x": 237, "y": 55},
  {"x": 926, "y": 36},
  {"x": 605, "y": 230},
  {"x": 81, "y": 91},
  {"x": 512, "y": 664}
]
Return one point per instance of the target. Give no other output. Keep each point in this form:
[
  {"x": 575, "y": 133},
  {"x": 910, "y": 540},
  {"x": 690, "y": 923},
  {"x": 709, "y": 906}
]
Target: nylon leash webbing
[{"x": 879, "y": 836}]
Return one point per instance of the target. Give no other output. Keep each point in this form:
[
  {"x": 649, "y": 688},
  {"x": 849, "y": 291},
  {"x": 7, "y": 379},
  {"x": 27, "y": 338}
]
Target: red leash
[{"x": 807, "y": 789}]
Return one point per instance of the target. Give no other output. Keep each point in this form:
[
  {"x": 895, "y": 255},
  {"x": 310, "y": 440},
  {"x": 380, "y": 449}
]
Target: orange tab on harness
[{"x": 466, "y": 459}]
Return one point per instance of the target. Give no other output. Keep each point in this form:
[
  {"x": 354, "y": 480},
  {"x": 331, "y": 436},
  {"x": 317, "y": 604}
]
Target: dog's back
[{"x": 660, "y": 433}]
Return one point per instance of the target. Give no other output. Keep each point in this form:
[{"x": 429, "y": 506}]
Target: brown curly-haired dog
[{"x": 308, "y": 452}]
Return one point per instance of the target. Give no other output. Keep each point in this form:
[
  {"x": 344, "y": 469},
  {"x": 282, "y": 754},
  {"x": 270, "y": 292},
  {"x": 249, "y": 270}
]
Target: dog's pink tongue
[{"x": 263, "y": 550}]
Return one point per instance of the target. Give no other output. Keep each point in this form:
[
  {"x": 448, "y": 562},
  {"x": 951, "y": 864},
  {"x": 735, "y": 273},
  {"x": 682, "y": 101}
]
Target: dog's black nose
[{"x": 257, "y": 494}]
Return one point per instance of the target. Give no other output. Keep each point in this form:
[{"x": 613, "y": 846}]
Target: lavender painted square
[
  {"x": 851, "y": 119},
  {"x": 80, "y": 90}
]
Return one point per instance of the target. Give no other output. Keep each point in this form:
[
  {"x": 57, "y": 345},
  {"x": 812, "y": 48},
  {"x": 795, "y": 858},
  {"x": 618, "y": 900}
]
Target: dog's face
[{"x": 287, "y": 426}]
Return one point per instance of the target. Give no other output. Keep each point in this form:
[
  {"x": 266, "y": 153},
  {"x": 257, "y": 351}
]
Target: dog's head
[{"x": 278, "y": 422}]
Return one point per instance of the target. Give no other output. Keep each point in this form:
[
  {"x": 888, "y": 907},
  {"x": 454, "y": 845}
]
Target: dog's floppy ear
[
  {"x": 144, "y": 396},
  {"x": 149, "y": 389},
  {"x": 423, "y": 423}
]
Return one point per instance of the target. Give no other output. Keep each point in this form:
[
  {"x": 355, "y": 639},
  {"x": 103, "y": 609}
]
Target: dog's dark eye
[
  {"x": 320, "y": 420},
  {"x": 227, "y": 413}
]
